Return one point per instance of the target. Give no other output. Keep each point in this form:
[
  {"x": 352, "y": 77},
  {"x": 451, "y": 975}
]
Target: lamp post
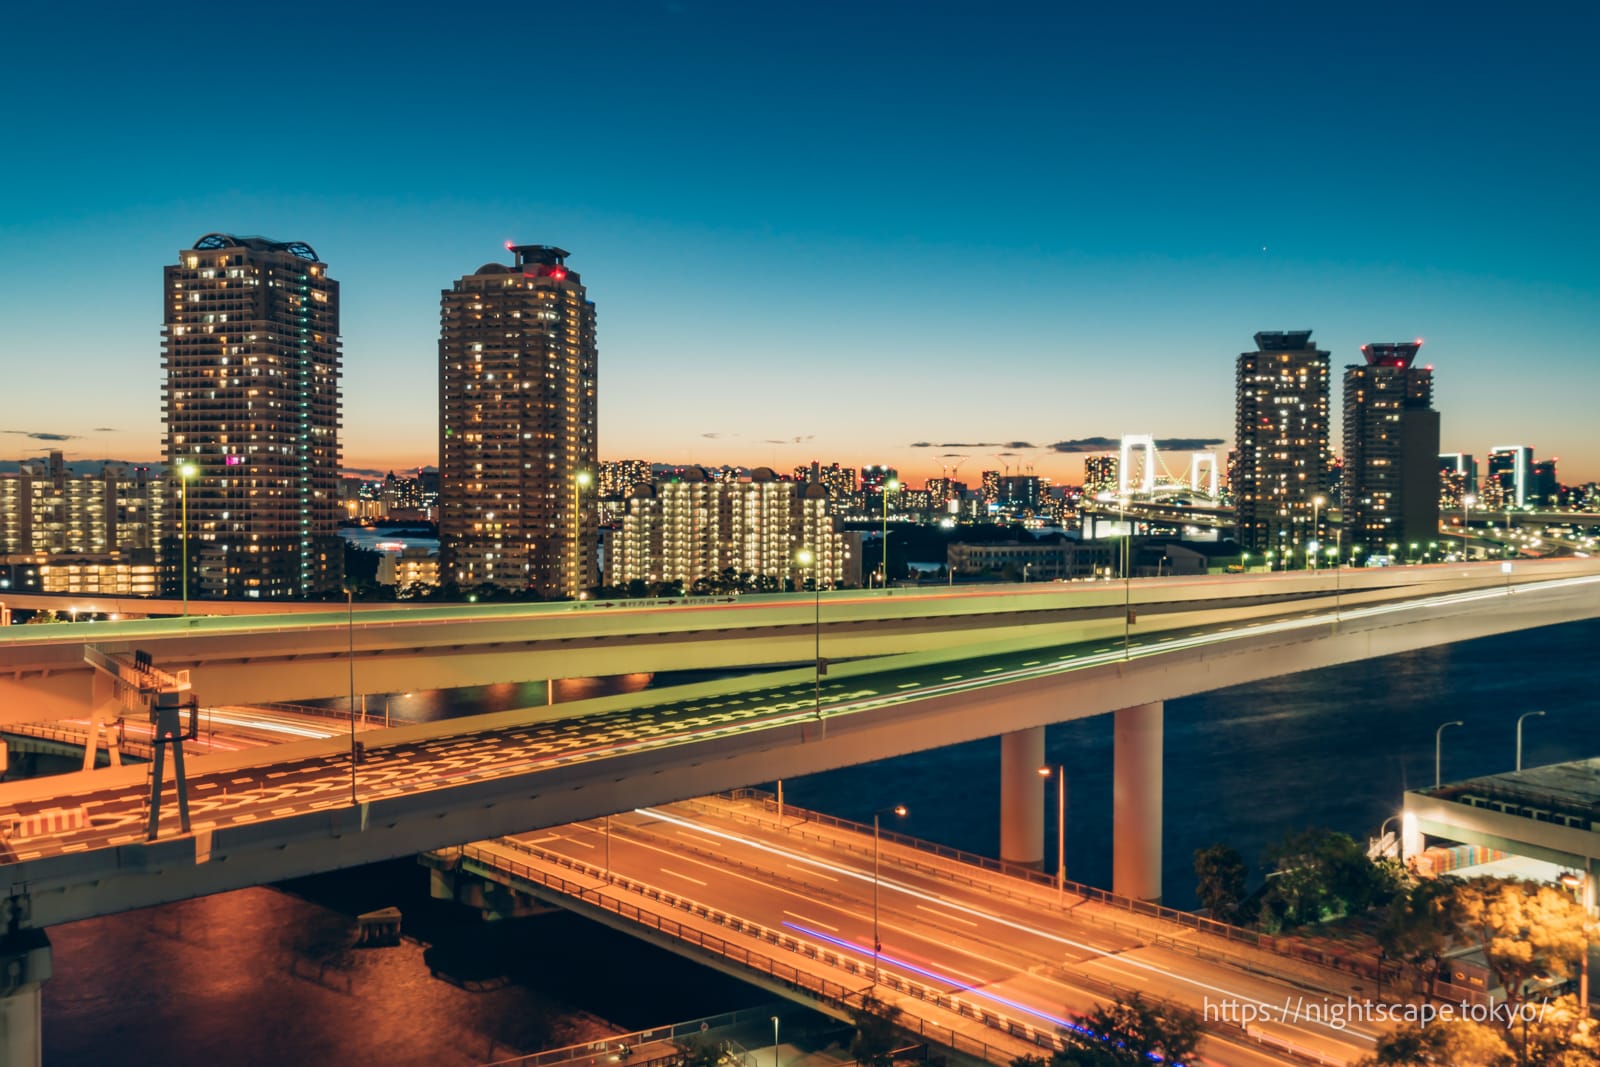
[
  {"x": 186, "y": 470},
  {"x": 1316, "y": 525},
  {"x": 1438, "y": 743},
  {"x": 1127, "y": 580},
  {"x": 807, "y": 558},
  {"x": 1524, "y": 715},
  {"x": 890, "y": 486},
  {"x": 1061, "y": 827},
  {"x": 1579, "y": 884},
  {"x": 350, "y": 608},
  {"x": 877, "y": 944},
  {"x": 579, "y": 481},
  {"x": 774, "y": 1041},
  {"x": 1466, "y": 524}
]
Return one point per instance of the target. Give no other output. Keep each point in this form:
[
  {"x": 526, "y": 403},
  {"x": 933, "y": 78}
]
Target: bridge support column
[
  {"x": 24, "y": 966},
  {"x": 1136, "y": 802},
  {"x": 1022, "y": 797}
]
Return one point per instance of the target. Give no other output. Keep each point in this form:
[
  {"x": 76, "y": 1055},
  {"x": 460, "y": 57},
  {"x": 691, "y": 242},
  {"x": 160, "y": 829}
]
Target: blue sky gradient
[{"x": 829, "y": 230}]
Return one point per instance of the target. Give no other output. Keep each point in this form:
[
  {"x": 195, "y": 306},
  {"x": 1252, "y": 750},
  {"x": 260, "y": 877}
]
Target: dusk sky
[{"x": 826, "y": 230}]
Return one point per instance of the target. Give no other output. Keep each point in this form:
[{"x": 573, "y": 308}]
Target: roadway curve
[
  {"x": 286, "y": 658},
  {"x": 266, "y": 815}
]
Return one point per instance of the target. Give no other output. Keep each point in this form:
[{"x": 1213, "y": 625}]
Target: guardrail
[
  {"x": 1227, "y": 931},
  {"x": 69, "y": 735},
  {"x": 692, "y": 1028},
  {"x": 803, "y": 981},
  {"x": 1366, "y": 967},
  {"x": 820, "y": 988}
]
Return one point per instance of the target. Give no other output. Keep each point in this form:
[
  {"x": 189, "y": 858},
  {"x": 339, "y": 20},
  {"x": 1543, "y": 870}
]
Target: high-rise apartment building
[
  {"x": 619, "y": 476},
  {"x": 250, "y": 345},
  {"x": 1391, "y": 450},
  {"x": 1281, "y": 437},
  {"x": 517, "y": 426},
  {"x": 694, "y": 528}
]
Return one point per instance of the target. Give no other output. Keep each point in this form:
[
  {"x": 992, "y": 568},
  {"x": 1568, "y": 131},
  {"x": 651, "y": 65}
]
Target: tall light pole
[
  {"x": 890, "y": 486},
  {"x": 579, "y": 482},
  {"x": 807, "y": 558},
  {"x": 1579, "y": 884},
  {"x": 877, "y": 943},
  {"x": 1316, "y": 527},
  {"x": 186, "y": 470},
  {"x": 350, "y": 608},
  {"x": 1524, "y": 715},
  {"x": 1466, "y": 524},
  {"x": 774, "y": 1041},
  {"x": 1061, "y": 827},
  {"x": 1438, "y": 743},
  {"x": 1127, "y": 578}
]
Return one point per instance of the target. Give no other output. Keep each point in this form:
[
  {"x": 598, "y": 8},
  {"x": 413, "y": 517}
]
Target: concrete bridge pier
[
  {"x": 1136, "y": 802},
  {"x": 24, "y": 967},
  {"x": 1022, "y": 797}
]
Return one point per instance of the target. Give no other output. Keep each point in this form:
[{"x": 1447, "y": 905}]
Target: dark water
[{"x": 263, "y": 976}]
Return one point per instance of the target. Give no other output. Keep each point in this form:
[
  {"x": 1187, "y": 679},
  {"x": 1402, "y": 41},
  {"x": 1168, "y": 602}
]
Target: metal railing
[
  {"x": 812, "y": 985},
  {"x": 692, "y": 1028},
  {"x": 1032, "y": 875},
  {"x": 1287, "y": 948},
  {"x": 77, "y": 736}
]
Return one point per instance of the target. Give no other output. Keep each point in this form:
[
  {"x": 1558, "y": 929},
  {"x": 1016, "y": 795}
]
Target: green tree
[
  {"x": 1443, "y": 1042},
  {"x": 1320, "y": 875},
  {"x": 876, "y": 1035},
  {"x": 700, "y": 1051},
  {"x": 1559, "y": 1035},
  {"x": 1219, "y": 873},
  {"x": 1526, "y": 930},
  {"x": 1131, "y": 1031},
  {"x": 1418, "y": 926}
]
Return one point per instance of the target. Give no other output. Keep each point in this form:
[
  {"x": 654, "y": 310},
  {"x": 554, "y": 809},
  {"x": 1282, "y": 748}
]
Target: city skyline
[{"x": 961, "y": 234}]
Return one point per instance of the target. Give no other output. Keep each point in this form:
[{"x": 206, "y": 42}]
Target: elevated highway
[
  {"x": 266, "y": 815},
  {"x": 296, "y": 657}
]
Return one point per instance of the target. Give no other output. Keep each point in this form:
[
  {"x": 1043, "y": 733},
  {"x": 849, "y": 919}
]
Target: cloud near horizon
[
  {"x": 1113, "y": 444},
  {"x": 39, "y": 435}
]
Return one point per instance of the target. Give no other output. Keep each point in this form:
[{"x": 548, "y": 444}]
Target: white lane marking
[
  {"x": 943, "y": 915},
  {"x": 685, "y": 877},
  {"x": 1021, "y": 927},
  {"x": 575, "y": 841},
  {"x": 808, "y": 872},
  {"x": 810, "y": 921}
]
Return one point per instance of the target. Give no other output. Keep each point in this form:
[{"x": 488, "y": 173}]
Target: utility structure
[{"x": 141, "y": 686}]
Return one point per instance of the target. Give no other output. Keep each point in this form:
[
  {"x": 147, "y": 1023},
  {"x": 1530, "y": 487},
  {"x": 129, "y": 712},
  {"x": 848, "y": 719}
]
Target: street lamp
[
  {"x": 186, "y": 470},
  {"x": 1061, "y": 827},
  {"x": 350, "y": 608},
  {"x": 890, "y": 486},
  {"x": 1524, "y": 715},
  {"x": 1579, "y": 884},
  {"x": 1438, "y": 742},
  {"x": 807, "y": 558},
  {"x": 774, "y": 1041},
  {"x": 579, "y": 482},
  {"x": 1127, "y": 580},
  {"x": 877, "y": 944},
  {"x": 1466, "y": 523},
  {"x": 1316, "y": 525}
]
